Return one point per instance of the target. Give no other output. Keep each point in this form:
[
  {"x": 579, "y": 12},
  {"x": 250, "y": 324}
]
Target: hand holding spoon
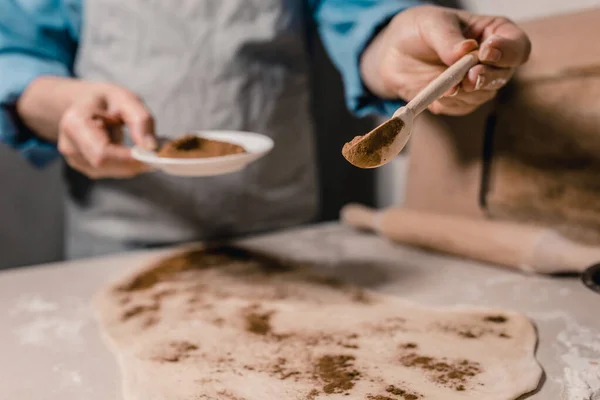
[{"x": 385, "y": 142}]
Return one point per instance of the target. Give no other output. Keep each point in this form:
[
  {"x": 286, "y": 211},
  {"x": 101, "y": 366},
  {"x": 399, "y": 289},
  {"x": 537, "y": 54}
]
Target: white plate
[{"x": 255, "y": 144}]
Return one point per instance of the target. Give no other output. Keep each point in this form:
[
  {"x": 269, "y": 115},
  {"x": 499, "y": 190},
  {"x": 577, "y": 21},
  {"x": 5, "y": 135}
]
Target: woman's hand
[
  {"x": 421, "y": 42},
  {"x": 86, "y": 120}
]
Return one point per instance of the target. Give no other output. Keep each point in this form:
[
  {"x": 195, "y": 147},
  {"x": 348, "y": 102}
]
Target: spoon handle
[{"x": 440, "y": 85}]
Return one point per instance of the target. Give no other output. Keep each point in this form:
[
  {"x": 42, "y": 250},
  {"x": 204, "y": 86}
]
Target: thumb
[
  {"x": 135, "y": 115},
  {"x": 445, "y": 37}
]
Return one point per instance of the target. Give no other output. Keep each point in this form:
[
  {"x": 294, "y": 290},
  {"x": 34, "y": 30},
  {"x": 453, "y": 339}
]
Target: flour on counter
[
  {"x": 43, "y": 331},
  {"x": 33, "y": 304},
  {"x": 582, "y": 375},
  {"x": 68, "y": 378},
  {"x": 582, "y": 382},
  {"x": 579, "y": 349},
  {"x": 39, "y": 322},
  {"x": 564, "y": 292}
]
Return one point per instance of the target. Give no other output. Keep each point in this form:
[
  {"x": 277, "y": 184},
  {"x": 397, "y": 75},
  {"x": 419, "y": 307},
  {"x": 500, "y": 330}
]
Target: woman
[{"x": 74, "y": 70}]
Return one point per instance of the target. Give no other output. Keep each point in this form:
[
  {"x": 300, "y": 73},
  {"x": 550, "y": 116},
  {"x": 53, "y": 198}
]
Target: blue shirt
[{"x": 39, "y": 37}]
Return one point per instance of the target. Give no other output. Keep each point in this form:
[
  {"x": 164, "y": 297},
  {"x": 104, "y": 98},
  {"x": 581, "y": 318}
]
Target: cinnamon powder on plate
[{"x": 192, "y": 146}]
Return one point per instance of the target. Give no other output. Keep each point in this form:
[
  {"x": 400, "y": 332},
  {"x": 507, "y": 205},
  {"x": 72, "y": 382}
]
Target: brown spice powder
[
  {"x": 472, "y": 331},
  {"x": 347, "y": 345},
  {"x": 139, "y": 309},
  {"x": 225, "y": 395},
  {"x": 405, "y": 394},
  {"x": 165, "y": 270},
  {"x": 453, "y": 375},
  {"x": 150, "y": 322},
  {"x": 389, "y": 325},
  {"x": 171, "y": 268},
  {"x": 497, "y": 319},
  {"x": 192, "y": 146},
  {"x": 288, "y": 374},
  {"x": 162, "y": 294},
  {"x": 258, "y": 323},
  {"x": 279, "y": 369},
  {"x": 337, "y": 372},
  {"x": 367, "y": 151},
  {"x": 469, "y": 334},
  {"x": 408, "y": 346},
  {"x": 361, "y": 296},
  {"x": 176, "y": 351}
]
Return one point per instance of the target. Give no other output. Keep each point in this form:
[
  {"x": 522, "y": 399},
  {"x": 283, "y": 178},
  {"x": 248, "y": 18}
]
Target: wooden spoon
[{"x": 385, "y": 142}]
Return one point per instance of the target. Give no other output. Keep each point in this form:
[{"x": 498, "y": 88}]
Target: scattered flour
[
  {"x": 67, "y": 378},
  {"x": 564, "y": 292},
  {"x": 42, "y": 331},
  {"x": 38, "y": 322},
  {"x": 32, "y": 304},
  {"x": 582, "y": 373},
  {"x": 579, "y": 350}
]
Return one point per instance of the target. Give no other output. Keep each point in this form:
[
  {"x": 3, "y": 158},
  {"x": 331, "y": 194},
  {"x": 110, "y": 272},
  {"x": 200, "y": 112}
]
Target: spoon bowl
[
  {"x": 382, "y": 144},
  {"x": 385, "y": 142}
]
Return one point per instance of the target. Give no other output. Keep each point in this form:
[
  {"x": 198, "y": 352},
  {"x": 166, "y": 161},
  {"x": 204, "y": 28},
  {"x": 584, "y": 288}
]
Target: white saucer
[{"x": 255, "y": 144}]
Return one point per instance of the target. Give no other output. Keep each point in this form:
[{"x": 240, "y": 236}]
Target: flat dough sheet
[{"x": 226, "y": 323}]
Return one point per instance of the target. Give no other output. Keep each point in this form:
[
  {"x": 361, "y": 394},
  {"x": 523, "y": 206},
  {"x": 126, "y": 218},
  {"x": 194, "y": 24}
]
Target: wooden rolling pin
[{"x": 528, "y": 248}]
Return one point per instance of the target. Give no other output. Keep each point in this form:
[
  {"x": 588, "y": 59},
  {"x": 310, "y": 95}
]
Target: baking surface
[{"x": 51, "y": 348}]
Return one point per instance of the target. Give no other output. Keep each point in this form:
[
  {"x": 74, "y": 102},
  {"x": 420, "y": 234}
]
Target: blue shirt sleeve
[
  {"x": 37, "y": 37},
  {"x": 346, "y": 27}
]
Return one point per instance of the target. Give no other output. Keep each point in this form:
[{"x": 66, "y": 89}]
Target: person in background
[{"x": 74, "y": 72}]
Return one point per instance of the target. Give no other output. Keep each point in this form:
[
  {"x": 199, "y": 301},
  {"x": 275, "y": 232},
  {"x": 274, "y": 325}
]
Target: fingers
[
  {"x": 504, "y": 52},
  {"x": 431, "y": 38},
  {"x": 504, "y": 47},
  {"x": 85, "y": 142},
  {"x": 130, "y": 109},
  {"x": 109, "y": 168},
  {"x": 503, "y": 43},
  {"x": 480, "y": 78},
  {"x": 444, "y": 35},
  {"x": 462, "y": 103},
  {"x": 483, "y": 77}
]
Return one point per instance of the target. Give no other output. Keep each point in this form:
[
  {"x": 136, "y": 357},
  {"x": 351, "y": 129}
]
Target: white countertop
[{"x": 50, "y": 346}]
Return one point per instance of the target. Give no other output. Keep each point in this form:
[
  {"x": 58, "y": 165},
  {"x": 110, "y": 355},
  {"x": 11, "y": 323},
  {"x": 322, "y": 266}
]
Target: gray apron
[{"x": 199, "y": 64}]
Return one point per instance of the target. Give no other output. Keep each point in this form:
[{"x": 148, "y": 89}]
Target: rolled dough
[{"x": 226, "y": 323}]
